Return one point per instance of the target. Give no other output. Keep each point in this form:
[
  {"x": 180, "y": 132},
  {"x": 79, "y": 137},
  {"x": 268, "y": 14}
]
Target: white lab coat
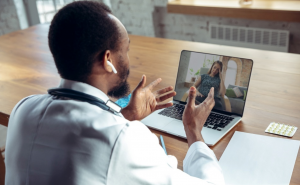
[{"x": 59, "y": 142}]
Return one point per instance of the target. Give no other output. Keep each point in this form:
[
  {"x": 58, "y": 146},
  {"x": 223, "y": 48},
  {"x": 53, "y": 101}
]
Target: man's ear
[{"x": 107, "y": 57}]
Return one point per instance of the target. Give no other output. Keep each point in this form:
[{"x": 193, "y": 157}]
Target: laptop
[{"x": 196, "y": 68}]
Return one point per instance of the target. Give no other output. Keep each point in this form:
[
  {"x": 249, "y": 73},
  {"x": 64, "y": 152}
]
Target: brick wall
[
  {"x": 9, "y": 21},
  {"x": 245, "y": 74},
  {"x": 137, "y": 15},
  {"x": 150, "y": 18}
]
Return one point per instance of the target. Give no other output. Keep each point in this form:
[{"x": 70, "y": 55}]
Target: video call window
[{"x": 228, "y": 75}]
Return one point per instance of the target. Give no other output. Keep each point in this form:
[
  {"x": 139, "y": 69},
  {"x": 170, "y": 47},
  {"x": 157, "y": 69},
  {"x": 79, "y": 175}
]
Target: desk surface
[{"x": 27, "y": 67}]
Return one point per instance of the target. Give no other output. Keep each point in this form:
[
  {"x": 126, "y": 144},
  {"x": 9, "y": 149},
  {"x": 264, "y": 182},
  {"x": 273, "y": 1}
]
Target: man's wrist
[
  {"x": 193, "y": 137},
  {"x": 128, "y": 114}
]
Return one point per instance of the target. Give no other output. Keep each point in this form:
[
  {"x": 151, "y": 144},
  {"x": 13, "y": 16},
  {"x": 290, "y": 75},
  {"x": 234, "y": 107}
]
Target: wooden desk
[{"x": 27, "y": 67}]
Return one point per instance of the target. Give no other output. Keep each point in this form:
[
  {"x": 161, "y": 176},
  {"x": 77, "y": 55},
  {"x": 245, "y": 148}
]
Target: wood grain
[
  {"x": 284, "y": 10},
  {"x": 27, "y": 67}
]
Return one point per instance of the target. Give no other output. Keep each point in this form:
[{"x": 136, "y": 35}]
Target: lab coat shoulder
[
  {"x": 87, "y": 120},
  {"x": 138, "y": 158}
]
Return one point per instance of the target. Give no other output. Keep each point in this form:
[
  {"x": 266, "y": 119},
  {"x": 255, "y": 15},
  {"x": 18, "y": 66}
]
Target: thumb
[
  {"x": 211, "y": 92},
  {"x": 142, "y": 83},
  {"x": 192, "y": 96},
  {"x": 210, "y": 98}
]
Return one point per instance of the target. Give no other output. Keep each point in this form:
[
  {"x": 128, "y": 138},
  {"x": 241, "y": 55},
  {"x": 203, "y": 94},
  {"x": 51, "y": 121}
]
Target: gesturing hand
[
  {"x": 194, "y": 117},
  {"x": 220, "y": 75},
  {"x": 143, "y": 101}
]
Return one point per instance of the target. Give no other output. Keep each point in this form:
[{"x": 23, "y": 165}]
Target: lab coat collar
[{"x": 83, "y": 87}]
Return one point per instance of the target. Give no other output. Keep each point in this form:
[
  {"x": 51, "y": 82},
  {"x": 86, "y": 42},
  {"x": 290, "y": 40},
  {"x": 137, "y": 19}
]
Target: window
[
  {"x": 48, "y": 8},
  {"x": 43, "y": 11},
  {"x": 231, "y": 73}
]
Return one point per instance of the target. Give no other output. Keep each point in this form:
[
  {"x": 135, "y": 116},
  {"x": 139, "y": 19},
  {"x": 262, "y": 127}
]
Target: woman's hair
[{"x": 216, "y": 62}]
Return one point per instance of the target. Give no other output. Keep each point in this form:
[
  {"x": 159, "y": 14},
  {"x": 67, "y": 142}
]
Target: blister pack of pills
[{"x": 281, "y": 129}]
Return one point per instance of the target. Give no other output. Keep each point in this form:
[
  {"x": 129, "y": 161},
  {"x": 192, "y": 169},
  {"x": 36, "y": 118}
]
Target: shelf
[{"x": 274, "y": 10}]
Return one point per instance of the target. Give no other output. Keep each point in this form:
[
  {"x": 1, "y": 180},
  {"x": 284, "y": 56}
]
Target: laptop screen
[{"x": 230, "y": 77}]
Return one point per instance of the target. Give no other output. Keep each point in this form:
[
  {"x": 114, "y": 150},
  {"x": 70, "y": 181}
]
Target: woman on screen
[{"x": 212, "y": 79}]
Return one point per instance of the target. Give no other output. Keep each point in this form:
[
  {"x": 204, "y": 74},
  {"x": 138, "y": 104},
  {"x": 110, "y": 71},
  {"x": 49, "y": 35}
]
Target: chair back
[{"x": 204, "y": 70}]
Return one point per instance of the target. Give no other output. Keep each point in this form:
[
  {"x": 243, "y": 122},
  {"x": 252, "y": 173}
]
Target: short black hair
[{"x": 79, "y": 33}]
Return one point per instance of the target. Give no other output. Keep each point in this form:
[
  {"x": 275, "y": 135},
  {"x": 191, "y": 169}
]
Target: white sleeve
[
  {"x": 200, "y": 161},
  {"x": 137, "y": 158}
]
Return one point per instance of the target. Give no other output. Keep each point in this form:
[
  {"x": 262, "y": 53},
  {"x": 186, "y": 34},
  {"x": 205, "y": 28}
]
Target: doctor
[{"x": 75, "y": 135}]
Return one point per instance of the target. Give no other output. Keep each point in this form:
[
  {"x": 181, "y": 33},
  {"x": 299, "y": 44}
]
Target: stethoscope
[{"x": 109, "y": 106}]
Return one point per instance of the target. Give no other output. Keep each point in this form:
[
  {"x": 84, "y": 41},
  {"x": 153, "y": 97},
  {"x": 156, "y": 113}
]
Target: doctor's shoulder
[{"x": 26, "y": 101}]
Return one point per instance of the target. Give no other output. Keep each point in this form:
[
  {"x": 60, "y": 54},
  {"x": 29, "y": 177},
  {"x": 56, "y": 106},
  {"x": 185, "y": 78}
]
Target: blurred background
[{"x": 161, "y": 18}]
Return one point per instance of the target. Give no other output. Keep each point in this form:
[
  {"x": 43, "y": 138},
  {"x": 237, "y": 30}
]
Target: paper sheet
[{"x": 251, "y": 159}]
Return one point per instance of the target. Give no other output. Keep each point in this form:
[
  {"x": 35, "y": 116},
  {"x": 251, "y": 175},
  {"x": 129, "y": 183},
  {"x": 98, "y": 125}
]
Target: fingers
[
  {"x": 210, "y": 98},
  {"x": 211, "y": 93},
  {"x": 142, "y": 82},
  {"x": 164, "y": 90},
  {"x": 166, "y": 96},
  {"x": 165, "y": 105},
  {"x": 154, "y": 83},
  {"x": 199, "y": 94},
  {"x": 192, "y": 97}
]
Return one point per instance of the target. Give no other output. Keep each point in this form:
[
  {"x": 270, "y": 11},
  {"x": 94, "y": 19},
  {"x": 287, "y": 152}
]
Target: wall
[
  {"x": 9, "y": 21},
  {"x": 137, "y": 15},
  {"x": 150, "y": 18},
  {"x": 21, "y": 12},
  {"x": 13, "y": 15},
  {"x": 247, "y": 66}
]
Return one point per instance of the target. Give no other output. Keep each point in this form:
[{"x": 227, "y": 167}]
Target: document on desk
[{"x": 251, "y": 159}]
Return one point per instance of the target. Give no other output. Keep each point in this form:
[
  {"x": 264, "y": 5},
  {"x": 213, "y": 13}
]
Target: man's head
[{"x": 83, "y": 36}]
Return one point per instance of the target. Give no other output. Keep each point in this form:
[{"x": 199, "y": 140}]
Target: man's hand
[
  {"x": 194, "y": 117},
  {"x": 143, "y": 101}
]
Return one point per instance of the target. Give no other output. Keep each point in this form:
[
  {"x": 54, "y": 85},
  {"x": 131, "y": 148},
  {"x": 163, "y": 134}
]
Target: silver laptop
[{"x": 199, "y": 69}]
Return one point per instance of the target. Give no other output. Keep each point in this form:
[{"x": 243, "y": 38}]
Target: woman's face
[{"x": 215, "y": 69}]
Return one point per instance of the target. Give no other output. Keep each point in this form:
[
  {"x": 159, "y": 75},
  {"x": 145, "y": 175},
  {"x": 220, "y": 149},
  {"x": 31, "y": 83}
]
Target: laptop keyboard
[
  {"x": 174, "y": 111},
  {"x": 214, "y": 121}
]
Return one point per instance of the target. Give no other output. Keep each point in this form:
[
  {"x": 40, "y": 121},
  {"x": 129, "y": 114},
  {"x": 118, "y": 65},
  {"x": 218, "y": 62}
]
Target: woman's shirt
[{"x": 208, "y": 82}]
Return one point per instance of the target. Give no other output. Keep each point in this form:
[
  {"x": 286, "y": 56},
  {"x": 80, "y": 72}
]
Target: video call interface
[{"x": 228, "y": 75}]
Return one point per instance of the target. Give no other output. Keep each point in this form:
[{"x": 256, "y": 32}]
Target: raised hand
[
  {"x": 194, "y": 117},
  {"x": 220, "y": 75},
  {"x": 143, "y": 101}
]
